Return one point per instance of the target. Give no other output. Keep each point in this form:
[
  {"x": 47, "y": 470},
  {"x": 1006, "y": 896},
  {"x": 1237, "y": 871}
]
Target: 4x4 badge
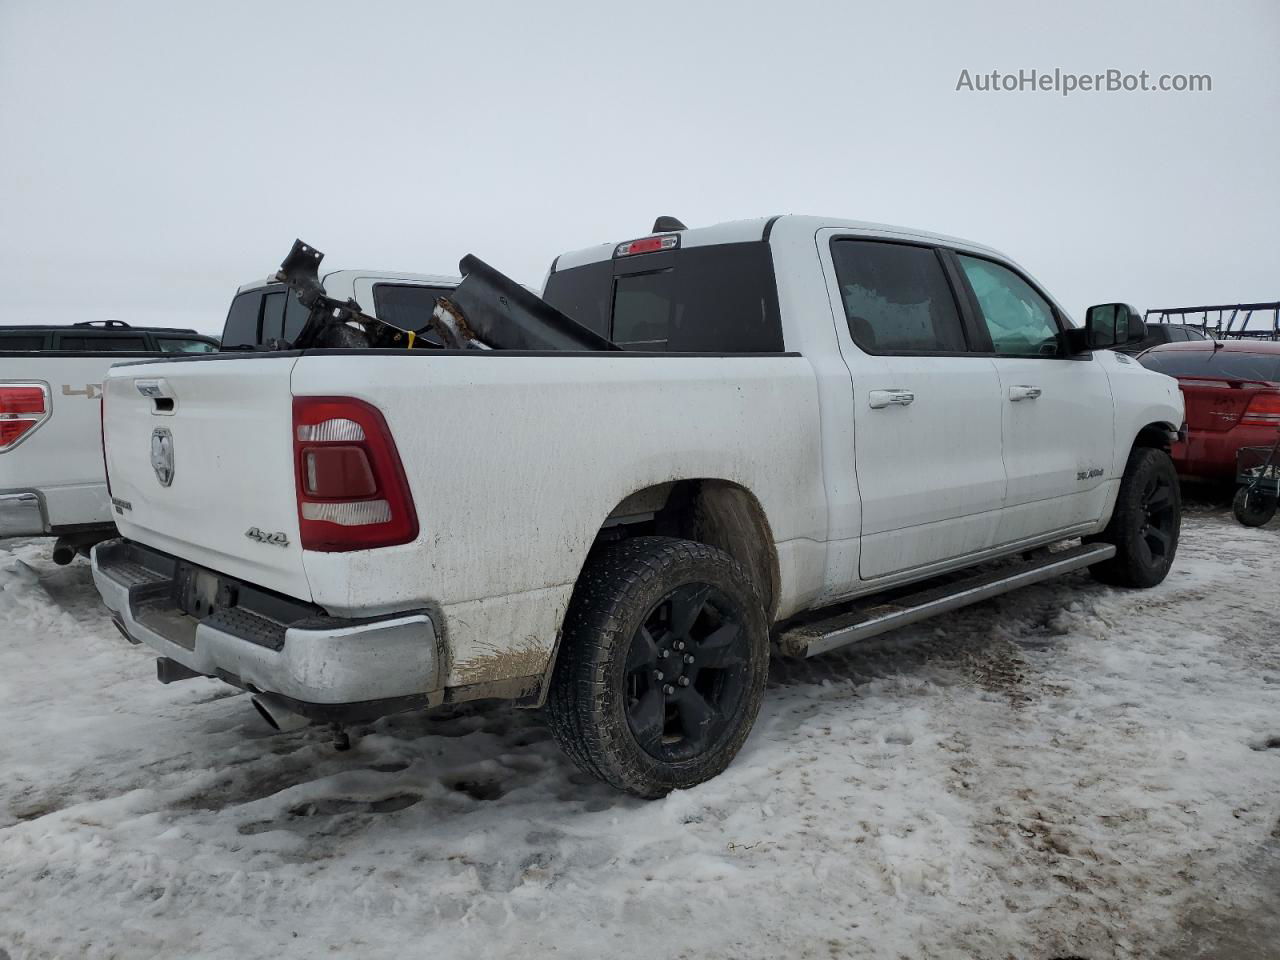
[{"x": 279, "y": 539}]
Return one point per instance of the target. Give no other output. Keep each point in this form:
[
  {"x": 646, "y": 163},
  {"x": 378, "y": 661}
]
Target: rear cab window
[
  {"x": 408, "y": 306},
  {"x": 721, "y": 298},
  {"x": 260, "y": 316},
  {"x": 244, "y": 321},
  {"x": 169, "y": 344}
]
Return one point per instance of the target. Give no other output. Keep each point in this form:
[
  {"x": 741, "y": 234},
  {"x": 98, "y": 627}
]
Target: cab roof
[
  {"x": 335, "y": 279},
  {"x": 762, "y": 228}
]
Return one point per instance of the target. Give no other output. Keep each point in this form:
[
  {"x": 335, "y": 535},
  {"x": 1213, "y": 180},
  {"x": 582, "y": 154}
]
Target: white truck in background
[
  {"x": 51, "y": 469},
  {"x": 52, "y": 482},
  {"x": 815, "y": 430}
]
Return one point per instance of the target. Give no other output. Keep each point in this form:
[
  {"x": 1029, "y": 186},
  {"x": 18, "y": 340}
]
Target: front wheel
[
  {"x": 1145, "y": 523},
  {"x": 662, "y": 665},
  {"x": 1253, "y": 508}
]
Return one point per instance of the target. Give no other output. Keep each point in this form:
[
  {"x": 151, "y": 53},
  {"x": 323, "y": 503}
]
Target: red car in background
[{"x": 1232, "y": 393}]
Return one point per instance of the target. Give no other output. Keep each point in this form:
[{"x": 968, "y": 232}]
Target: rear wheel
[
  {"x": 662, "y": 665},
  {"x": 1145, "y": 523},
  {"x": 1253, "y": 508}
]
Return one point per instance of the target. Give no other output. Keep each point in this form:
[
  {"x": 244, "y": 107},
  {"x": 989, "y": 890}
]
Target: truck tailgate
[{"x": 200, "y": 464}]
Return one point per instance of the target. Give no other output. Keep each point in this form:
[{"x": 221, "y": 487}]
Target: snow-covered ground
[{"x": 1071, "y": 771}]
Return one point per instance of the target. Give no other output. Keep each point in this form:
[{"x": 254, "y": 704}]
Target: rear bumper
[
  {"x": 267, "y": 643},
  {"x": 21, "y": 515},
  {"x": 1211, "y": 455}
]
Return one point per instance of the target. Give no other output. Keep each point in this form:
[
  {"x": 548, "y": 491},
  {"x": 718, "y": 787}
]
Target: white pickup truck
[
  {"x": 52, "y": 481},
  {"x": 51, "y": 473},
  {"x": 817, "y": 430}
]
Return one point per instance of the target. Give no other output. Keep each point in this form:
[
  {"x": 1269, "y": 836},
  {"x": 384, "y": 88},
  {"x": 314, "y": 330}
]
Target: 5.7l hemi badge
[{"x": 278, "y": 539}]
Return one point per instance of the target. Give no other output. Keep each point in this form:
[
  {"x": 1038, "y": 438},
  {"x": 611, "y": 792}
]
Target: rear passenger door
[
  {"x": 927, "y": 410},
  {"x": 1056, "y": 409}
]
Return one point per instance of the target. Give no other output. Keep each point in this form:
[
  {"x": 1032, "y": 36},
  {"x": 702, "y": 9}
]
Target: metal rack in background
[{"x": 1225, "y": 326}]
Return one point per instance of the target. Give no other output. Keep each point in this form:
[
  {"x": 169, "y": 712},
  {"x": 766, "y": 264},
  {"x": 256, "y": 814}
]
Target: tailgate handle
[{"x": 160, "y": 395}]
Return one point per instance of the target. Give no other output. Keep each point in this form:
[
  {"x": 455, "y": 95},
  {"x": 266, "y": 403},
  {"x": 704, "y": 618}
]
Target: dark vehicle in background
[
  {"x": 1232, "y": 394},
  {"x": 106, "y": 336},
  {"x": 1159, "y": 334}
]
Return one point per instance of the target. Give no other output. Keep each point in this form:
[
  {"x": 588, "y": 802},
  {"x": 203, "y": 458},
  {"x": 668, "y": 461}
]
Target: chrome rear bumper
[{"x": 266, "y": 643}]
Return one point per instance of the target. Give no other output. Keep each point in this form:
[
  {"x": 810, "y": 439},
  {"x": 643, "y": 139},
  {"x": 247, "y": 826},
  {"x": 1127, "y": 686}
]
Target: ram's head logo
[{"x": 162, "y": 455}]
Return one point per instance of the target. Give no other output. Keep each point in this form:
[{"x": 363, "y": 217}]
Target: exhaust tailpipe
[
  {"x": 277, "y": 714},
  {"x": 64, "y": 551}
]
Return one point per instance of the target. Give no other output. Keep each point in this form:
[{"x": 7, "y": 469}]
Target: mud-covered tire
[
  {"x": 1145, "y": 524},
  {"x": 629, "y": 606},
  {"x": 1253, "y": 509}
]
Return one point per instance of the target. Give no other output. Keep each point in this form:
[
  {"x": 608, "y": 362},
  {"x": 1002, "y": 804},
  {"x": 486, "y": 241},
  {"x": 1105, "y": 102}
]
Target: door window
[
  {"x": 102, "y": 344},
  {"x": 1020, "y": 321},
  {"x": 896, "y": 298},
  {"x": 184, "y": 345}
]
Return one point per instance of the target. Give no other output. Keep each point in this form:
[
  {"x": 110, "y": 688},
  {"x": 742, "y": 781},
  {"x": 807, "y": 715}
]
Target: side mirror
[{"x": 1110, "y": 325}]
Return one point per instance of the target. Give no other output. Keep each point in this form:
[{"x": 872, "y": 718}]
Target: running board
[{"x": 820, "y": 636}]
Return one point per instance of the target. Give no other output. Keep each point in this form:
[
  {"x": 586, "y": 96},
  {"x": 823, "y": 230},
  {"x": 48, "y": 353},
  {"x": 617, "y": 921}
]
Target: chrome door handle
[
  {"x": 882, "y": 398},
  {"x": 1023, "y": 392}
]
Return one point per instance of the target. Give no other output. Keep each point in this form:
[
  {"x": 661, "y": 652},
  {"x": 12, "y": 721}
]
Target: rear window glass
[
  {"x": 716, "y": 299},
  {"x": 273, "y": 316},
  {"x": 21, "y": 341},
  {"x": 407, "y": 306},
  {"x": 241, "y": 329},
  {"x": 101, "y": 344},
  {"x": 295, "y": 317},
  {"x": 1214, "y": 363},
  {"x": 184, "y": 345}
]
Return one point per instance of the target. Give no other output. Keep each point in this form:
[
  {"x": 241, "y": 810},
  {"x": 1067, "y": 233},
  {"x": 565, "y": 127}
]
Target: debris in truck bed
[{"x": 487, "y": 310}]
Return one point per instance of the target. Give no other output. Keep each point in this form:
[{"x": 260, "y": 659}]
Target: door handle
[
  {"x": 882, "y": 398},
  {"x": 1023, "y": 392}
]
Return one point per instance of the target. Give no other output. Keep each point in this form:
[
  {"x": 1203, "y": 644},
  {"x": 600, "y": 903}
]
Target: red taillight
[
  {"x": 22, "y": 400},
  {"x": 23, "y": 407},
  {"x": 352, "y": 490},
  {"x": 647, "y": 245},
  {"x": 1263, "y": 410}
]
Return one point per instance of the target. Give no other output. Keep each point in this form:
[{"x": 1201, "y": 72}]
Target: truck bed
[{"x": 515, "y": 461}]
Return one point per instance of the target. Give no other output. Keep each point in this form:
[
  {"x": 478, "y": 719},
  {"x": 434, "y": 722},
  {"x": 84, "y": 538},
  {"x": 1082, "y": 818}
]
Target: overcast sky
[{"x": 154, "y": 156}]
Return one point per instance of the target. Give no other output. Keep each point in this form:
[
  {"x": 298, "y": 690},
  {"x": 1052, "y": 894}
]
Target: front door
[
  {"x": 927, "y": 411},
  {"x": 1056, "y": 409}
]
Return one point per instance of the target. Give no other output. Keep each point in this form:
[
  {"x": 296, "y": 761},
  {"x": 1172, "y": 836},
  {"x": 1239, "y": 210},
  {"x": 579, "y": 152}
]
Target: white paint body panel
[
  {"x": 515, "y": 461},
  {"x": 231, "y": 426},
  {"x": 61, "y": 460}
]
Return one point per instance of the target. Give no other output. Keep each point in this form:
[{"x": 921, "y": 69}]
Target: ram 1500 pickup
[{"x": 815, "y": 430}]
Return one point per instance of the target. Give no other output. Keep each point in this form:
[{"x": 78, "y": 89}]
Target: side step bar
[{"x": 850, "y": 626}]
